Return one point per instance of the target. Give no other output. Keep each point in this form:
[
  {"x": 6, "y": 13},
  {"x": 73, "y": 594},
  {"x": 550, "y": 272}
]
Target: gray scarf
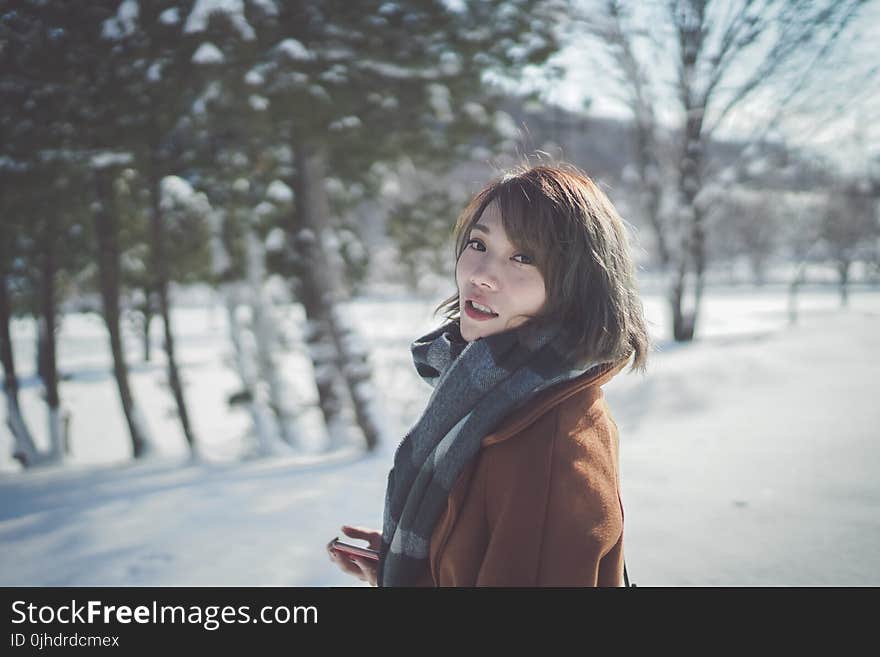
[{"x": 476, "y": 385}]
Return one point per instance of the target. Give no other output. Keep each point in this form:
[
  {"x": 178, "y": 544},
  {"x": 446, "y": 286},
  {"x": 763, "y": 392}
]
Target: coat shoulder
[
  {"x": 575, "y": 435},
  {"x": 578, "y": 395}
]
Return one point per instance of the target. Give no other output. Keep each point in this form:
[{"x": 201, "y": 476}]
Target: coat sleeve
[{"x": 552, "y": 506}]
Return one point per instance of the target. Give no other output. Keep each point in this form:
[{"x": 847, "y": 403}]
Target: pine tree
[{"x": 346, "y": 85}]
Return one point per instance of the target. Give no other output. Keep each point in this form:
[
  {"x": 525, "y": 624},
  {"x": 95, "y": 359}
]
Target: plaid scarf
[{"x": 476, "y": 385}]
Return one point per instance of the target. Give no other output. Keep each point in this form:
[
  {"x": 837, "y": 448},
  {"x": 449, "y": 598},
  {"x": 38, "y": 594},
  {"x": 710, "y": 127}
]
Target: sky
[{"x": 838, "y": 120}]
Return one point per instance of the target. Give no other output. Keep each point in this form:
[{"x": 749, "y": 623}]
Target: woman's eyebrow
[{"x": 481, "y": 227}]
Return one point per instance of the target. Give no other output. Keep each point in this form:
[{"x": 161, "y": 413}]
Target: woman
[{"x": 510, "y": 476}]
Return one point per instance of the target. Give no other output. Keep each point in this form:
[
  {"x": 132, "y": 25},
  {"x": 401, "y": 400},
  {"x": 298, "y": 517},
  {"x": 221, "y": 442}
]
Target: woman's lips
[{"x": 477, "y": 315}]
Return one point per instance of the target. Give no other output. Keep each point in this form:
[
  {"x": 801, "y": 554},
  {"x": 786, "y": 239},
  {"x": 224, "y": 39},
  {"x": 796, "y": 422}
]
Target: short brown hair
[{"x": 578, "y": 241}]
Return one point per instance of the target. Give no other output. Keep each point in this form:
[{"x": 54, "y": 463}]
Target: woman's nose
[{"x": 484, "y": 275}]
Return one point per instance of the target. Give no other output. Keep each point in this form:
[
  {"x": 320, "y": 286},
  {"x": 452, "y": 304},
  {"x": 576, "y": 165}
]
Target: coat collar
[{"x": 544, "y": 401}]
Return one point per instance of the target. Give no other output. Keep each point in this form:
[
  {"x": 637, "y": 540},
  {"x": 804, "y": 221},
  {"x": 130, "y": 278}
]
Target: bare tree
[
  {"x": 723, "y": 55},
  {"x": 756, "y": 229},
  {"x": 849, "y": 227},
  {"x": 637, "y": 93},
  {"x": 802, "y": 214}
]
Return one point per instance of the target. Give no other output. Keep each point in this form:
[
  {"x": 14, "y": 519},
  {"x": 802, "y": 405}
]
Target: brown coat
[{"x": 540, "y": 504}]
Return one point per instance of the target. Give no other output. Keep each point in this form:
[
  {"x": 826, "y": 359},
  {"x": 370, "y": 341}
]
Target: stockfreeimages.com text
[{"x": 210, "y": 617}]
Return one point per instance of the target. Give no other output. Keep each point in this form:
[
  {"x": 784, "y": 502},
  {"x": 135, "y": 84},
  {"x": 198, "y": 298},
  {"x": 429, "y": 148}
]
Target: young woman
[{"x": 510, "y": 476}]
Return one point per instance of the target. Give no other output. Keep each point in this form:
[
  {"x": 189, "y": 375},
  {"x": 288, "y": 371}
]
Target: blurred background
[{"x": 222, "y": 223}]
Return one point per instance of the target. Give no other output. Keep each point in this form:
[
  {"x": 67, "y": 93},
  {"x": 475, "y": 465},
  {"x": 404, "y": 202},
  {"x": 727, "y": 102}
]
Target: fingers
[
  {"x": 373, "y": 537},
  {"x": 347, "y": 565},
  {"x": 368, "y": 570},
  {"x": 357, "y": 532}
]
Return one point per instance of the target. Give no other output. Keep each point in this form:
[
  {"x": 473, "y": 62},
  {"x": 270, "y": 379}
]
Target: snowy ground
[{"x": 748, "y": 458}]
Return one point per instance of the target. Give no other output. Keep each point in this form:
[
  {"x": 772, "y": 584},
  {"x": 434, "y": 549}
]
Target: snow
[
  {"x": 110, "y": 159},
  {"x": 334, "y": 186},
  {"x": 197, "y": 21},
  {"x": 389, "y": 8},
  {"x": 294, "y": 50},
  {"x": 476, "y": 112},
  {"x": 306, "y": 236},
  {"x": 124, "y": 23},
  {"x": 254, "y": 78},
  {"x": 318, "y": 91},
  {"x": 211, "y": 93},
  {"x": 439, "y": 98},
  {"x": 268, "y": 6},
  {"x": 758, "y": 167},
  {"x": 345, "y": 123},
  {"x": 9, "y": 164},
  {"x": 457, "y": 6},
  {"x": 170, "y": 16},
  {"x": 264, "y": 209},
  {"x": 397, "y": 72},
  {"x": 275, "y": 240},
  {"x": 335, "y": 75},
  {"x": 450, "y": 63},
  {"x": 258, "y": 103},
  {"x": 177, "y": 191},
  {"x": 154, "y": 73},
  {"x": 279, "y": 192},
  {"x": 208, "y": 53},
  {"x": 748, "y": 457},
  {"x": 505, "y": 126}
]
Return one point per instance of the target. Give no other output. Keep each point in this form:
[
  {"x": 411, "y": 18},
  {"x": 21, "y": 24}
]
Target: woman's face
[{"x": 494, "y": 274}]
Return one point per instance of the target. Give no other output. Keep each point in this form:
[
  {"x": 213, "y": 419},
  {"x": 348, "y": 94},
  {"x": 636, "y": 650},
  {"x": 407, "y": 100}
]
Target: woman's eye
[{"x": 479, "y": 246}]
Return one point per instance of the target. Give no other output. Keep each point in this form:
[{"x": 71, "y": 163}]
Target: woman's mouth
[{"x": 474, "y": 312}]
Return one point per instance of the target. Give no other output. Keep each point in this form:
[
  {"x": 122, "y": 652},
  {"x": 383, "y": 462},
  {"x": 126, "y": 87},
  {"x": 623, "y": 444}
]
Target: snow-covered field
[{"x": 749, "y": 457}]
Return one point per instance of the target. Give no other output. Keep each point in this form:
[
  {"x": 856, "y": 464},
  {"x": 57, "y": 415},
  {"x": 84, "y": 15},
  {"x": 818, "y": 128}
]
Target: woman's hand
[{"x": 364, "y": 569}]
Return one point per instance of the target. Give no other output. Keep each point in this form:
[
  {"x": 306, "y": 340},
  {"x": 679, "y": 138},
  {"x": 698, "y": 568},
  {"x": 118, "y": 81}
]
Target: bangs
[
  {"x": 529, "y": 218},
  {"x": 530, "y": 222}
]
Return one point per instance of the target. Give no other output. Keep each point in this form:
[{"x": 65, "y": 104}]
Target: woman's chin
[{"x": 469, "y": 332}]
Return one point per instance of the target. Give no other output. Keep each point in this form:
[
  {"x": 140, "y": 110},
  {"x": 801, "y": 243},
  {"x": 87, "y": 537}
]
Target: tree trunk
[
  {"x": 148, "y": 320},
  {"x": 843, "y": 273},
  {"x": 333, "y": 361},
  {"x": 793, "y": 288},
  {"x": 689, "y": 20},
  {"x": 758, "y": 271},
  {"x": 24, "y": 450},
  {"x": 47, "y": 325},
  {"x": 266, "y": 338},
  {"x": 160, "y": 266},
  {"x": 692, "y": 258},
  {"x": 107, "y": 232},
  {"x": 264, "y": 432},
  {"x": 357, "y": 374},
  {"x": 682, "y": 321}
]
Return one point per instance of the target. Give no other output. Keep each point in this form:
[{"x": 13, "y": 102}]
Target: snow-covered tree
[
  {"x": 107, "y": 232},
  {"x": 149, "y": 77},
  {"x": 45, "y": 207},
  {"x": 345, "y": 85}
]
